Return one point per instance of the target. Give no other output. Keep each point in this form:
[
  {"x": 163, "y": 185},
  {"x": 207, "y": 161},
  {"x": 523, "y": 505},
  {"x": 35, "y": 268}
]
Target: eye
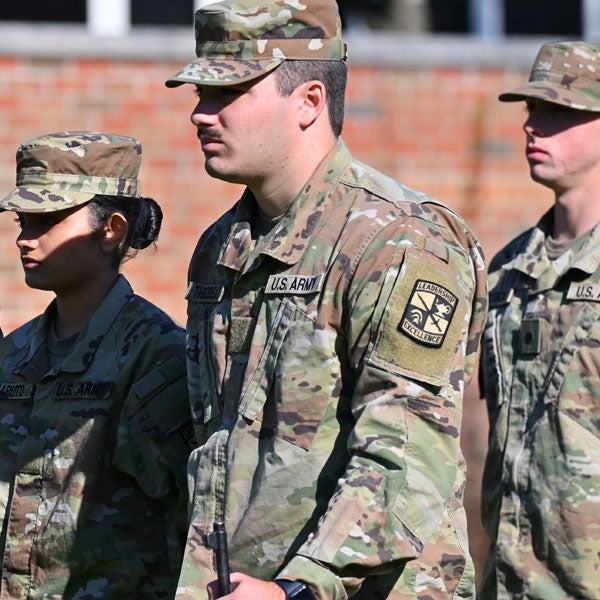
[
  {"x": 48, "y": 220},
  {"x": 198, "y": 90},
  {"x": 42, "y": 221},
  {"x": 565, "y": 110},
  {"x": 231, "y": 90}
]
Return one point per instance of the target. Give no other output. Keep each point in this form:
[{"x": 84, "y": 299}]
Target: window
[
  {"x": 159, "y": 12},
  {"x": 65, "y": 11},
  {"x": 521, "y": 17},
  {"x": 539, "y": 17}
]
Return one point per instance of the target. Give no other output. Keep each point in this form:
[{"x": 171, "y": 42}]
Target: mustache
[{"x": 206, "y": 135}]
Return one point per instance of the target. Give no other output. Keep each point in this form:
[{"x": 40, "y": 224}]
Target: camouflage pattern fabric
[
  {"x": 238, "y": 41},
  {"x": 92, "y": 457},
  {"x": 541, "y": 378},
  {"x": 565, "y": 73},
  {"x": 65, "y": 169},
  {"x": 327, "y": 364}
]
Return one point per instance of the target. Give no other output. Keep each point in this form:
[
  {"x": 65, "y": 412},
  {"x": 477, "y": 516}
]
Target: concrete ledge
[{"x": 156, "y": 44}]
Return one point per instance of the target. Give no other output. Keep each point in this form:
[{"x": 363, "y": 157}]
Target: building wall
[{"x": 433, "y": 124}]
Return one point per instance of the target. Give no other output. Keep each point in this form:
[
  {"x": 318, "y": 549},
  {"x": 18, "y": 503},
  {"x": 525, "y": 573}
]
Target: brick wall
[{"x": 439, "y": 129}]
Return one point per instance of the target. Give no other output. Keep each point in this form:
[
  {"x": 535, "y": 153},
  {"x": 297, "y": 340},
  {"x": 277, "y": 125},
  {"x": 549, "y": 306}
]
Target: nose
[
  {"x": 195, "y": 117},
  {"x": 27, "y": 241},
  {"x": 205, "y": 112},
  {"x": 533, "y": 126}
]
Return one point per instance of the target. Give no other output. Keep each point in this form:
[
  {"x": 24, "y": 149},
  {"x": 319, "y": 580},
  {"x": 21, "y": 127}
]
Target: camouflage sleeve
[
  {"x": 155, "y": 437},
  {"x": 410, "y": 308}
]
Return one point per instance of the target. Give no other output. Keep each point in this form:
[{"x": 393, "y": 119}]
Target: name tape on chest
[
  {"x": 200, "y": 292},
  {"x": 12, "y": 391},
  {"x": 584, "y": 291},
  {"x": 428, "y": 313},
  {"x": 294, "y": 284}
]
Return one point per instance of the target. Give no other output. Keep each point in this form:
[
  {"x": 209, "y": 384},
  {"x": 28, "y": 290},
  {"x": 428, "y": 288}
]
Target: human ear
[
  {"x": 313, "y": 102},
  {"x": 114, "y": 232}
]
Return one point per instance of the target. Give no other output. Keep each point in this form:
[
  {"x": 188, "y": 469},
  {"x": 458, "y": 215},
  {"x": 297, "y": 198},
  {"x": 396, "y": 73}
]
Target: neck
[
  {"x": 576, "y": 208},
  {"x": 277, "y": 193},
  {"x": 575, "y": 214},
  {"x": 75, "y": 308}
]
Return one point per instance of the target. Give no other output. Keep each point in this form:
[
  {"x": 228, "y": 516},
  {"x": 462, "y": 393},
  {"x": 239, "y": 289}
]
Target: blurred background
[{"x": 421, "y": 107}]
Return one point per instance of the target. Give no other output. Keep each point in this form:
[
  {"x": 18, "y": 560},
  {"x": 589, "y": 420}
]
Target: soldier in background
[
  {"x": 540, "y": 366},
  {"x": 333, "y": 322},
  {"x": 93, "y": 395}
]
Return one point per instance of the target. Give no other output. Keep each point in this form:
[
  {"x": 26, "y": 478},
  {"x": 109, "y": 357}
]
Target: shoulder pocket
[
  {"x": 164, "y": 407},
  {"x": 423, "y": 321}
]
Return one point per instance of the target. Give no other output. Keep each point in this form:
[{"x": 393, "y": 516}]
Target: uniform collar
[
  {"x": 89, "y": 340},
  {"x": 533, "y": 261},
  {"x": 286, "y": 242}
]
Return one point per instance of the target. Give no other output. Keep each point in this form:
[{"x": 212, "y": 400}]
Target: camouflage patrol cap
[
  {"x": 566, "y": 73},
  {"x": 60, "y": 170},
  {"x": 238, "y": 41}
]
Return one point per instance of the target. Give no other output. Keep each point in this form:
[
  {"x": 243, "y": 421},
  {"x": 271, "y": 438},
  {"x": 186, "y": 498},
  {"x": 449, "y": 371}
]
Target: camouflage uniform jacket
[
  {"x": 92, "y": 457},
  {"x": 541, "y": 378},
  {"x": 327, "y": 363}
]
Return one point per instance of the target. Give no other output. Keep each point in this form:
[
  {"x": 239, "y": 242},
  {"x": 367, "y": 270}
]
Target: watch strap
[{"x": 295, "y": 590}]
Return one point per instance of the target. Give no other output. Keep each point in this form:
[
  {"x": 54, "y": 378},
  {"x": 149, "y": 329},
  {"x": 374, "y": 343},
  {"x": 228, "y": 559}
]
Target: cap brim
[
  {"x": 554, "y": 94},
  {"x": 213, "y": 72},
  {"x": 34, "y": 199}
]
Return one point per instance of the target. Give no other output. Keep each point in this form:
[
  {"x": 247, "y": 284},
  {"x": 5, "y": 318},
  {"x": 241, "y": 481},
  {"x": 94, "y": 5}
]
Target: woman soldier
[{"x": 95, "y": 419}]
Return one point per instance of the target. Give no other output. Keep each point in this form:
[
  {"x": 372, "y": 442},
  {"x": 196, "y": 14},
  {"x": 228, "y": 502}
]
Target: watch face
[{"x": 299, "y": 593}]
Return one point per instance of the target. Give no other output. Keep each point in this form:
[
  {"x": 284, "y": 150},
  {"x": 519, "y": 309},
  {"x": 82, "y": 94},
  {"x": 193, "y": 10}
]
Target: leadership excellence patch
[{"x": 428, "y": 313}]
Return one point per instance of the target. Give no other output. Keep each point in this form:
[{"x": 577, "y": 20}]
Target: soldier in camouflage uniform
[
  {"x": 541, "y": 351},
  {"x": 333, "y": 321},
  {"x": 96, "y": 426}
]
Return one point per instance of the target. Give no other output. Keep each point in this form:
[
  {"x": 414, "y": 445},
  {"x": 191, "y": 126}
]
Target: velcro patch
[
  {"x": 15, "y": 390},
  {"x": 198, "y": 292},
  {"x": 240, "y": 334},
  {"x": 83, "y": 390},
  {"x": 428, "y": 313},
  {"x": 584, "y": 291},
  {"x": 294, "y": 284},
  {"x": 530, "y": 336},
  {"x": 423, "y": 320}
]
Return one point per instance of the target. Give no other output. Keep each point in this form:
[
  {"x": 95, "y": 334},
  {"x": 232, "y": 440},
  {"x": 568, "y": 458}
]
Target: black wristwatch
[{"x": 295, "y": 590}]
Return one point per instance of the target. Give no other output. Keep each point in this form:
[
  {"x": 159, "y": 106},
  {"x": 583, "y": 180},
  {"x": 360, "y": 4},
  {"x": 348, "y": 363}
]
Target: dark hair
[
  {"x": 144, "y": 217},
  {"x": 332, "y": 73}
]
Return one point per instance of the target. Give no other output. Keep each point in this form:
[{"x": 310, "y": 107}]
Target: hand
[{"x": 247, "y": 588}]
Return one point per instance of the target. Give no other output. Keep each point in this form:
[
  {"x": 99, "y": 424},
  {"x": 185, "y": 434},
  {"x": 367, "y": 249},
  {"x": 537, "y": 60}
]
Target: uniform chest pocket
[
  {"x": 15, "y": 406},
  {"x": 296, "y": 378},
  {"x": 205, "y": 349},
  {"x": 76, "y": 402},
  {"x": 574, "y": 382},
  {"x": 494, "y": 371}
]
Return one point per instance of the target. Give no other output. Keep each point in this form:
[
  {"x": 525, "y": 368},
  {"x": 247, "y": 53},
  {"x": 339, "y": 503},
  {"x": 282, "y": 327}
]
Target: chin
[
  {"x": 37, "y": 285},
  {"x": 540, "y": 178},
  {"x": 223, "y": 175}
]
